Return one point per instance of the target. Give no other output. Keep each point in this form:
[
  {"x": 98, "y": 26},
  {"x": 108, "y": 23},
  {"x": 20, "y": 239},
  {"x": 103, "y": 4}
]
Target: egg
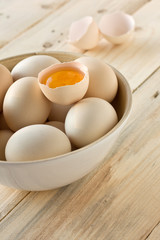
[
  {"x": 36, "y": 142},
  {"x": 59, "y": 125},
  {"x": 58, "y": 112},
  {"x": 25, "y": 104},
  {"x": 103, "y": 82},
  {"x": 31, "y": 66},
  {"x": 5, "y": 82},
  {"x": 64, "y": 83},
  {"x": 88, "y": 120},
  {"x": 4, "y": 137},
  {"x": 84, "y": 33},
  {"x": 117, "y": 27}
]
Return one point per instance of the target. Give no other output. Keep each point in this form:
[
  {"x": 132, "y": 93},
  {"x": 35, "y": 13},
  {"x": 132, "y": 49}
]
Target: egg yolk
[{"x": 63, "y": 78}]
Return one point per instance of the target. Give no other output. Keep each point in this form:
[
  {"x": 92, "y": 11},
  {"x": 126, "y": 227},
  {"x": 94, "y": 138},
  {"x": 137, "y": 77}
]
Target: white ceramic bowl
[{"x": 62, "y": 170}]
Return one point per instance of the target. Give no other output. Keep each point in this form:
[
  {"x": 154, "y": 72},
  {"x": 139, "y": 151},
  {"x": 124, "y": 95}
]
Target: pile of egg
[{"x": 49, "y": 108}]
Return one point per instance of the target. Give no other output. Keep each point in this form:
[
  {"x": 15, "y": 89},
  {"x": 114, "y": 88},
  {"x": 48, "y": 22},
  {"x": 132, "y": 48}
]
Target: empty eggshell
[
  {"x": 58, "y": 112},
  {"x": 31, "y": 66},
  {"x": 84, "y": 33},
  {"x": 25, "y": 104},
  {"x": 59, "y": 125},
  {"x": 36, "y": 142},
  {"x": 102, "y": 79},
  {"x": 117, "y": 27},
  {"x": 88, "y": 120},
  {"x": 5, "y": 82},
  {"x": 67, "y": 93},
  {"x": 4, "y": 137}
]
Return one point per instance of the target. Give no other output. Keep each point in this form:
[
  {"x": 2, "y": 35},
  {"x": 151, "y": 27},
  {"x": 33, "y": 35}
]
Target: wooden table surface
[{"x": 119, "y": 200}]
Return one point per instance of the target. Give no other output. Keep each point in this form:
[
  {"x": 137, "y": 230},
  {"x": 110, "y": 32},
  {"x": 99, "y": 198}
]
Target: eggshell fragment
[
  {"x": 68, "y": 94},
  {"x": 36, "y": 142},
  {"x": 102, "y": 79},
  {"x": 5, "y": 82},
  {"x": 56, "y": 124},
  {"x": 84, "y": 33},
  {"x": 88, "y": 120},
  {"x": 25, "y": 104},
  {"x": 117, "y": 27},
  {"x": 4, "y": 137},
  {"x": 58, "y": 112},
  {"x": 31, "y": 66}
]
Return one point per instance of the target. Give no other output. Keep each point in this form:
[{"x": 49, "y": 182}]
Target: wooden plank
[
  {"x": 120, "y": 200},
  {"x": 155, "y": 234},
  {"x": 52, "y": 33},
  {"x": 9, "y": 198},
  {"x": 140, "y": 57},
  {"x": 19, "y": 16},
  {"x": 136, "y": 60},
  {"x": 16, "y": 196}
]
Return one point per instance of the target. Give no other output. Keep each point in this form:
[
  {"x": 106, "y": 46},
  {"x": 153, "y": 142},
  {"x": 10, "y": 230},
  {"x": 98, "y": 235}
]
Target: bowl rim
[{"x": 112, "y": 131}]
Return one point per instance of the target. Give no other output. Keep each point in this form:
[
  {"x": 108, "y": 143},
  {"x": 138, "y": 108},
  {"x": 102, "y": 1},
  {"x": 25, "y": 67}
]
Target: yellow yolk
[{"x": 63, "y": 78}]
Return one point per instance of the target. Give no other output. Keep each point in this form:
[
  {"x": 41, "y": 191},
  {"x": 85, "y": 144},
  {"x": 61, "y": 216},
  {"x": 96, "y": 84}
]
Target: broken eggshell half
[
  {"x": 71, "y": 92},
  {"x": 84, "y": 33},
  {"x": 117, "y": 27}
]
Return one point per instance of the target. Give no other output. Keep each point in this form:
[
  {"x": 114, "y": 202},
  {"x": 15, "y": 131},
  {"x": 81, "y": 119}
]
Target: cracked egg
[
  {"x": 117, "y": 27},
  {"x": 84, "y": 33},
  {"x": 64, "y": 83}
]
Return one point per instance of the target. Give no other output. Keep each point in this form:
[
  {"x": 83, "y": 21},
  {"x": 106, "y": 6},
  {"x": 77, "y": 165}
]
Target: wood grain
[
  {"x": 120, "y": 199},
  {"x": 154, "y": 235},
  {"x": 116, "y": 201},
  {"x": 18, "y": 16},
  {"x": 9, "y": 198},
  {"x": 28, "y": 42},
  {"x": 52, "y": 32}
]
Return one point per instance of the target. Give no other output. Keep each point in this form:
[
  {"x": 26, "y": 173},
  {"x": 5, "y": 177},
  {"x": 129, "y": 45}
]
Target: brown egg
[
  {"x": 56, "y": 124},
  {"x": 64, "y": 83},
  {"x": 102, "y": 79},
  {"x": 35, "y": 142},
  {"x": 31, "y": 66},
  {"x": 25, "y": 104},
  {"x": 88, "y": 120},
  {"x": 58, "y": 112}
]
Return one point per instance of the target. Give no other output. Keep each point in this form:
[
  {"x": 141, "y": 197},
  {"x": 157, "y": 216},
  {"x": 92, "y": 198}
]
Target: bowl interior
[{"x": 123, "y": 99}]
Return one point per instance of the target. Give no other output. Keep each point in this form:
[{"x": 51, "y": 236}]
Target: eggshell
[
  {"x": 5, "y": 82},
  {"x": 4, "y": 137},
  {"x": 58, "y": 112},
  {"x": 117, "y": 27},
  {"x": 31, "y": 66},
  {"x": 68, "y": 94},
  {"x": 88, "y": 120},
  {"x": 25, "y": 104},
  {"x": 84, "y": 33},
  {"x": 3, "y": 124},
  {"x": 59, "y": 125},
  {"x": 102, "y": 79},
  {"x": 36, "y": 142}
]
